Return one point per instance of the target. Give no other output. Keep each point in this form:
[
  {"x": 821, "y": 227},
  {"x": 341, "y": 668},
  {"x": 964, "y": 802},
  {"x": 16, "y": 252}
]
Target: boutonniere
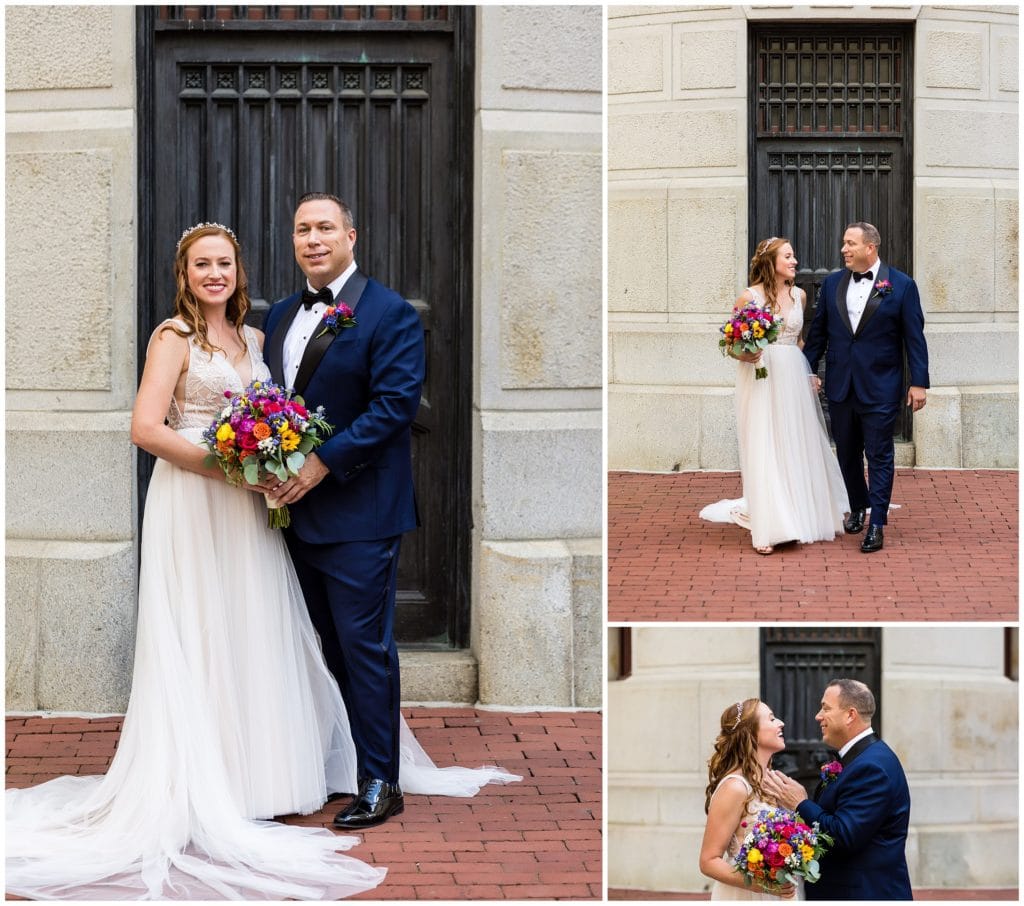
[
  {"x": 335, "y": 319},
  {"x": 883, "y": 287},
  {"x": 830, "y": 772}
]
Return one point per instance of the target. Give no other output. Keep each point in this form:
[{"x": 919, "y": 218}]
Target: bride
[
  {"x": 750, "y": 735},
  {"x": 233, "y": 716},
  {"x": 792, "y": 487}
]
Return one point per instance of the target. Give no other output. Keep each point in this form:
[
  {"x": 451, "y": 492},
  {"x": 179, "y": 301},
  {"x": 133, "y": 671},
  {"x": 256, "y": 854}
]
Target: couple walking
[
  {"x": 266, "y": 673},
  {"x": 868, "y": 316},
  {"x": 862, "y": 802}
]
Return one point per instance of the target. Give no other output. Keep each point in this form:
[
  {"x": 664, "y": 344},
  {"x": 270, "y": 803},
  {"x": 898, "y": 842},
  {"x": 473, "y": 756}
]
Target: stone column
[
  {"x": 70, "y": 319},
  {"x": 537, "y": 473}
]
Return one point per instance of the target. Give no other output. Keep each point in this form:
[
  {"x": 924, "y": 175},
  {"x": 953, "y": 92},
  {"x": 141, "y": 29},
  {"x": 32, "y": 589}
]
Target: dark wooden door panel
[
  {"x": 796, "y": 665},
  {"x": 249, "y": 115}
]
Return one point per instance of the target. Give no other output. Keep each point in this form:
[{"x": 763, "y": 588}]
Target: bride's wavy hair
[
  {"x": 186, "y": 305},
  {"x": 736, "y": 750},
  {"x": 762, "y": 268}
]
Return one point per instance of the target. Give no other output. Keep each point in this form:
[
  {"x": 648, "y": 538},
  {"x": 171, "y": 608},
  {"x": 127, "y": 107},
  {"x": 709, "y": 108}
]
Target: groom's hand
[
  {"x": 916, "y": 397},
  {"x": 313, "y": 471},
  {"x": 786, "y": 790}
]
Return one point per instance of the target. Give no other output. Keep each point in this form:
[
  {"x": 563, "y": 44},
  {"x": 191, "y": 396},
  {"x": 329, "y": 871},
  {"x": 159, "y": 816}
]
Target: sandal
[{"x": 765, "y": 551}]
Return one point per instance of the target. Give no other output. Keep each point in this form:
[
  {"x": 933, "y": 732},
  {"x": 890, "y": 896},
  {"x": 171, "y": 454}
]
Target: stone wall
[
  {"x": 71, "y": 357},
  {"x": 949, "y": 713},
  {"x": 677, "y": 203},
  {"x": 537, "y": 612},
  {"x": 70, "y": 326}
]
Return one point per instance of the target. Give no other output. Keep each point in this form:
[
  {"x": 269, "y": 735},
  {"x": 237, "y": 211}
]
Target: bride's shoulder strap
[{"x": 740, "y": 778}]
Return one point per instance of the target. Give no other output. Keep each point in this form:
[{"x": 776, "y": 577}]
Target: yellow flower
[
  {"x": 807, "y": 852},
  {"x": 225, "y": 432},
  {"x": 754, "y": 856},
  {"x": 758, "y": 331},
  {"x": 289, "y": 440}
]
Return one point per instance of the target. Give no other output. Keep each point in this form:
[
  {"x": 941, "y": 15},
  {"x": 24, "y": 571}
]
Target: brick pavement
[
  {"x": 950, "y": 554},
  {"x": 536, "y": 839}
]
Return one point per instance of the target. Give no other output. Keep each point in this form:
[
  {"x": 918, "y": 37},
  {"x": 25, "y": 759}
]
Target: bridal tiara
[
  {"x": 199, "y": 226},
  {"x": 739, "y": 714}
]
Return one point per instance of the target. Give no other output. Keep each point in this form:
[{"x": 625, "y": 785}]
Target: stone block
[
  {"x": 954, "y": 58},
  {"x": 637, "y": 61},
  {"x": 1006, "y": 50},
  {"x": 648, "y": 729},
  {"x": 680, "y": 805},
  {"x": 953, "y": 217},
  {"x": 949, "y": 857},
  {"x": 937, "y": 430},
  {"x": 981, "y": 726},
  {"x": 709, "y": 55},
  {"x": 551, "y": 269},
  {"x": 541, "y": 475},
  {"x": 654, "y": 428},
  {"x": 21, "y": 595},
  {"x": 77, "y": 185},
  {"x": 438, "y": 676},
  {"x": 637, "y": 254},
  {"x": 587, "y": 622},
  {"x": 719, "y": 445},
  {"x": 926, "y": 650},
  {"x": 633, "y": 803},
  {"x": 697, "y": 137},
  {"x": 654, "y": 858},
  {"x": 990, "y": 427},
  {"x": 687, "y": 651},
  {"x": 523, "y": 623},
  {"x": 1007, "y": 261},
  {"x": 59, "y": 47},
  {"x": 70, "y": 476},
  {"x": 938, "y": 801},
  {"x": 917, "y": 733},
  {"x": 712, "y": 220},
  {"x": 548, "y": 58},
  {"x": 971, "y": 354},
  {"x": 966, "y": 139},
  {"x": 671, "y": 355},
  {"x": 81, "y": 598}
]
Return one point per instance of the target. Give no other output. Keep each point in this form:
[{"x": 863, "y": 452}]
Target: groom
[
  {"x": 353, "y": 498},
  {"x": 863, "y": 803},
  {"x": 867, "y": 316}
]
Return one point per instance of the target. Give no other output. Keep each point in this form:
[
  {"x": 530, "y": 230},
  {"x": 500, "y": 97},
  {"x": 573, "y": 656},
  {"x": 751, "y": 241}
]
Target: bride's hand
[
  {"x": 752, "y": 357},
  {"x": 816, "y": 381},
  {"x": 786, "y": 891}
]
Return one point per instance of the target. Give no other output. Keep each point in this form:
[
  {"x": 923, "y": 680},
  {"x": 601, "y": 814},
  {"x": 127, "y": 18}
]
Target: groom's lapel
[
  {"x": 858, "y": 749},
  {"x": 844, "y": 312},
  {"x": 875, "y": 299},
  {"x": 318, "y": 345},
  {"x": 275, "y": 343}
]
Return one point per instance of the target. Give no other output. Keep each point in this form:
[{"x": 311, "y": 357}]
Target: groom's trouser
[
  {"x": 349, "y": 589},
  {"x": 861, "y": 431}
]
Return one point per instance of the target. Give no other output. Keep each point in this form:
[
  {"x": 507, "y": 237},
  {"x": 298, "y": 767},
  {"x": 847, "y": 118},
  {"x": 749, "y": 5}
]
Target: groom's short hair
[
  {"x": 854, "y": 694},
  {"x": 871, "y": 234},
  {"x": 346, "y": 211}
]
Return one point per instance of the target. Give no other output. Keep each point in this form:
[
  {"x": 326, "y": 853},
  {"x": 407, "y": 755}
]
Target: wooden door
[
  {"x": 830, "y": 144},
  {"x": 796, "y": 665},
  {"x": 242, "y": 110}
]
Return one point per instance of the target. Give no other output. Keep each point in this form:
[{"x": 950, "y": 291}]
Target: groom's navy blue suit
[
  {"x": 345, "y": 533},
  {"x": 866, "y": 811},
  {"x": 864, "y": 377}
]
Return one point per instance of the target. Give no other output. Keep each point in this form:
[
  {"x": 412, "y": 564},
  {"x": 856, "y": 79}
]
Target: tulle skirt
[
  {"x": 792, "y": 487},
  {"x": 233, "y": 718}
]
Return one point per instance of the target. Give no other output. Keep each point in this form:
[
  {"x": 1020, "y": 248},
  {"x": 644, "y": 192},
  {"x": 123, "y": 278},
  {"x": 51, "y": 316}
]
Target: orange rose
[
  {"x": 785, "y": 850},
  {"x": 261, "y": 431}
]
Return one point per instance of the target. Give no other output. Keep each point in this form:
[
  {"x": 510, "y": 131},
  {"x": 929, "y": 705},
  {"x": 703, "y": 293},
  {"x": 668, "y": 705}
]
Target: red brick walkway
[
  {"x": 536, "y": 839},
  {"x": 950, "y": 554},
  {"x": 919, "y": 894}
]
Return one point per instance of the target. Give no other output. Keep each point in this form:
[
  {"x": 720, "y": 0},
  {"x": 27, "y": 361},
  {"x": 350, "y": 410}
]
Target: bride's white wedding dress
[
  {"x": 792, "y": 487},
  {"x": 233, "y": 716},
  {"x": 720, "y": 891}
]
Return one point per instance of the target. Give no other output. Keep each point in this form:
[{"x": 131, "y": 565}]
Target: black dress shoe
[
  {"x": 872, "y": 540},
  {"x": 376, "y": 801},
  {"x": 854, "y": 522}
]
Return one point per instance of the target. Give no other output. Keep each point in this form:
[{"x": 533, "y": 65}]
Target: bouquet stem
[
  {"x": 760, "y": 373},
  {"x": 278, "y": 516}
]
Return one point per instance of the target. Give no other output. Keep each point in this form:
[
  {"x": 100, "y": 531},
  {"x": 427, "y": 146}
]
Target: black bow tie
[
  {"x": 858, "y": 276},
  {"x": 310, "y": 299}
]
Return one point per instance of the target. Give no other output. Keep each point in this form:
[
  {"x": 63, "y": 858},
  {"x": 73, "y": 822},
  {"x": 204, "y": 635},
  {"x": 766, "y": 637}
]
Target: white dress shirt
[
  {"x": 304, "y": 327},
  {"x": 860, "y": 735},
  {"x": 857, "y": 294}
]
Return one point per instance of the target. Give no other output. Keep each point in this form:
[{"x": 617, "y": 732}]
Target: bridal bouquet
[
  {"x": 749, "y": 329},
  {"x": 264, "y": 430},
  {"x": 780, "y": 848}
]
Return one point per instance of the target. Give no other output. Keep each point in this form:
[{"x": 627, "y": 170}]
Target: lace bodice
[
  {"x": 794, "y": 323},
  {"x": 209, "y": 375}
]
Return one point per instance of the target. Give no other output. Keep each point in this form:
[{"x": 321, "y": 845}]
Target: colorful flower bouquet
[
  {"x": 264, "y": 430},
  {"x": 749, "y": 329},
  {"x": 779, "y": 848}
]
